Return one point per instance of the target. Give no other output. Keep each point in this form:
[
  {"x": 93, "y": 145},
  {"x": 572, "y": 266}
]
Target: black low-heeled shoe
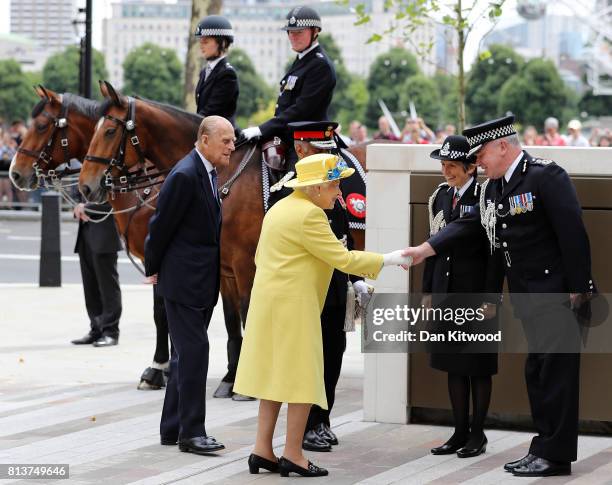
[
  {"x": 286, "y": 467},
  {"x": 256, "y": 462},
  {"x": 474, "y": 447},
  {"x": 451, "y": 446}
]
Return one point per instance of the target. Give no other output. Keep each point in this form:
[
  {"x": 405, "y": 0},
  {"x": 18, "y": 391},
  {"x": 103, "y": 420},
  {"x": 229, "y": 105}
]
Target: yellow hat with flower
[{"x": 319, "y": 169}]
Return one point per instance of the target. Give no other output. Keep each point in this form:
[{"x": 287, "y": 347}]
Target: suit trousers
[
  {"x": 184, "y": 408},
  {"x": 101, "y": 288},
  {"x": 334, "y": 345}
]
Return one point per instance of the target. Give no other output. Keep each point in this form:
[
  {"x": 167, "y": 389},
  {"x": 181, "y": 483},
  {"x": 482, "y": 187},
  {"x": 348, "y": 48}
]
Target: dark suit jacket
[
  {"x": 218, "y": 95},
  {"x": 305, "y": 94},
  {"x": 184, "y": 233},
  {"x": 102, "y": 237},
  {"x": 462, "y": 268}
]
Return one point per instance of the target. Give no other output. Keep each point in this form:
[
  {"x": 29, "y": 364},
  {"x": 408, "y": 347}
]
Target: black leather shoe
[
  {"x": 256, "y": 462},
  {"x": 451, "y": 446},
  {"x": 541, "y": 467},
  {"x": 286, "y": 467},
  {"x": 523, "y": 461},
  {"x": 200, "y": 445},
  {"x": 88, "y": 339},
  {"x": 106, "y": 341},
  {"x": 167, "y": 441},
  {"x": 224, "y": 390},
  {"x": 241, "y": 397},
  {"x": 325, "y": 432},
  {"x": 313, "y": 442},
  {"x": 475, "y": 446}
]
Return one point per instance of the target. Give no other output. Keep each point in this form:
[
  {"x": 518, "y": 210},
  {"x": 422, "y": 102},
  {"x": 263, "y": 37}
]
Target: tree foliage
[
  {"x": 61, "y": 71},
  {"x": 255, "y": 94},
  {"x": 595, "y": 105},
  {"x": 153, "y": 72},
  {"x": 534, "y": 93},
  {"x": 387, "y": 75},
  {"x": 422, "y": 91},
  {"x": 16, "y": 94},
  {"x": 486, "y": 78}
]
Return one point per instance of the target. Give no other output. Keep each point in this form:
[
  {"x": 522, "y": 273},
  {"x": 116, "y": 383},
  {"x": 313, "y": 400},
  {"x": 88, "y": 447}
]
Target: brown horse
[{"x": 72, "y": 118}]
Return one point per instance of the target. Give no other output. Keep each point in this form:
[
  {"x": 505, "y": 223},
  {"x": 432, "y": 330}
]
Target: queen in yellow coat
[{"x": 281, "y": 359}]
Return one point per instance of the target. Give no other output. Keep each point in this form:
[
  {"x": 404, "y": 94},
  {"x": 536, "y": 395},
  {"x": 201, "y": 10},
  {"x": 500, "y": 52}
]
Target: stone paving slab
[{"x": 79, "y": 405}]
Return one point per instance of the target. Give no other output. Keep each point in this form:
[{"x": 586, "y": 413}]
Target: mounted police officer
[
  {"x": 217, "y": 89},
  {"x": 310, "y": 138},
  {"x": 307, "y": 88},
  {"x": 531, "y": 215}
]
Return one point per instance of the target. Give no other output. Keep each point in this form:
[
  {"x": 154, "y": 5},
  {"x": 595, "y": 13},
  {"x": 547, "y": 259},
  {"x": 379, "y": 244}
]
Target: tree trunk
[
  {"x": 193, "y": 62},
  {"x": 461, "y": 75}
]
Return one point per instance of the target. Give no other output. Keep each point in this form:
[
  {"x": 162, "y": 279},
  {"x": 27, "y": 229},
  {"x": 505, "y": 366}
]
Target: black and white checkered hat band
[
  {"x": 453, "y": 155},
  {"x": 490, "y": 135},
  {"x": 215, "y": 33},
  {"x": 307, "y": 23}
]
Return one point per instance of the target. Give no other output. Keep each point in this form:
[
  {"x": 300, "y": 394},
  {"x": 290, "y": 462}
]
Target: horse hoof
[
  {"x": 151, "y": 380},
  {"x": 224, "y": 391},
  {"x": 242, "y": 397}
]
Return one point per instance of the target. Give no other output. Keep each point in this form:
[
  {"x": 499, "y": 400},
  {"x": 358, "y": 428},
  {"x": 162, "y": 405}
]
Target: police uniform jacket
[
  {"x": 102, "y": 237},
  {"x": 305, "y": 94},
  {"x": 541, "y": 243},
  {"x": 339, "y": 223},
  {"x": 218, "y": 94},
  {"x": 460, "y": 269},
  {"x": 281, "y": 358}
]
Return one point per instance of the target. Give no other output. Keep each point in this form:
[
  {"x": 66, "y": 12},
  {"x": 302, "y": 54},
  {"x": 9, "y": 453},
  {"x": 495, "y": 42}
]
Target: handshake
[{"x": 409, "y": 256}]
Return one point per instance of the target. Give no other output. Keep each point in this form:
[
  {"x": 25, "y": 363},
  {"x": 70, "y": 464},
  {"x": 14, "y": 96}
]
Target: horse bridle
[
  {"x": 127, "y": 180},
  {"x": 45, "y": 156}
]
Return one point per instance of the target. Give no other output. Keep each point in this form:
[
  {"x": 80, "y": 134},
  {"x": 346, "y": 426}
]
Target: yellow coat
[{"x": 282, "y": 353}]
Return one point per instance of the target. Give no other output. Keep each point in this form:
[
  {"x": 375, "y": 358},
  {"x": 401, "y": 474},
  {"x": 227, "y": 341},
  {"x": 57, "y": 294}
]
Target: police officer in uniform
[
  {"x": 97, "y": 245},
  {"x": 217, "y": 89},
  {"x": 531, "y": 215},
  {"x": 461, "y": 270},
  {"x": 310, "y": 138},
  {"x": 307, "y": 88}
]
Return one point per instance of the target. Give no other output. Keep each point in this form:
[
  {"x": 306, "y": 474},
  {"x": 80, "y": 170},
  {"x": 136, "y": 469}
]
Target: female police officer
[
  {"x": 217, "y": 89},
  {"x": 461, "y": 270}
]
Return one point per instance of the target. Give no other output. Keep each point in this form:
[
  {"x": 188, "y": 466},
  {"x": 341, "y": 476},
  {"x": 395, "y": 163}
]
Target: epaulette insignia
[
  {"x": 320, "y": 55},
  {"x": 542, "y": 161}
]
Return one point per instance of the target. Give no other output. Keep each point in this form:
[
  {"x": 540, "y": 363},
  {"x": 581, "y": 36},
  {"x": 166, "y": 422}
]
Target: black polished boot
[
  {"x": 313, "y": 442},
  {"x": 325, "y": 432},
  {"x": 88, "y": 339},
  {"x": 541, "y": 467},
  {"x": 523, "y": 461}
]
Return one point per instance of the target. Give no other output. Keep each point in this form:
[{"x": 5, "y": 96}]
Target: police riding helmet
[
  {"x": 219, "y": 28},
  {"x": 303, "y": 17}
]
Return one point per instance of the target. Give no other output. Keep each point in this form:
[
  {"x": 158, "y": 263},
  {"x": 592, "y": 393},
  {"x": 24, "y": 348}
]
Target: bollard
[{"x": 50, "y": 271}]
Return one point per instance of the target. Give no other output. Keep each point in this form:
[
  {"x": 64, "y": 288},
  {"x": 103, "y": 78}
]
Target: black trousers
[
  {"x": 334, "y": 345},
  {"x": 101, "y": 288},
  {"x": 184, "y": 408}
]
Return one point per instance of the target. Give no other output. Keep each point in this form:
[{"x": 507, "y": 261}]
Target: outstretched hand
[{"x": 419, "y": 253}]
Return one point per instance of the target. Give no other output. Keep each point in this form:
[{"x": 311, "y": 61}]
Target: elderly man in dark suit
[
  {"x": 182, "y": 255},
  {"x": 97, "y": 245}
]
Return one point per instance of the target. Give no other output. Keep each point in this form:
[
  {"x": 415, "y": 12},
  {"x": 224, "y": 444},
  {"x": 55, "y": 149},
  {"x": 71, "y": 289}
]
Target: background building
[
  {"x": 25, "y": 51},
  {"x": 47, "y": 22}
]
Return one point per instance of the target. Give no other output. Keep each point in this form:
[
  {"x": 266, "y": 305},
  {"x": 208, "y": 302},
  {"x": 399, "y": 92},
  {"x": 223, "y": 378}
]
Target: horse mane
[
  {"x": 87, "y": 107},
  {"x": 192, "y": 118}
]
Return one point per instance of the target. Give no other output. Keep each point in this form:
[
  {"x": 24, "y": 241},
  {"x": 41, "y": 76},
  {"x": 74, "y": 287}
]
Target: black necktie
[
  {"x": 455, "y": 200},
  {"x": 213, "y": 178}
]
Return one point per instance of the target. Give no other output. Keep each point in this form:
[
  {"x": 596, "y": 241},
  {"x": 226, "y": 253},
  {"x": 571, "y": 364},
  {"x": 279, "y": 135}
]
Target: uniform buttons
[
  {"x": 505, "y": 244},
  {"x": 546, "y": 271},
  {"x": 500, "y": 206},
  {"x": 447, "y": 273},
  {"x": 283, "y": 81},
  {"x": 447, "y": 258},
  {"x": 276, "y": 106},
  {"x": 590, "y": 282},
  {"x": 504, "y": 225}
]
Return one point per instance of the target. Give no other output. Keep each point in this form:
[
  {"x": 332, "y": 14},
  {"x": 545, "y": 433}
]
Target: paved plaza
[{"x": 61, "y": 403}]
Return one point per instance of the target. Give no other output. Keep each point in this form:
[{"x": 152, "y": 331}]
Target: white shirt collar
[
  {"x": 464, "y": 187},
  {"x": 306, "y": 51},
  {"x": 511, "y": 168},
  {"x": 214, "y": 62},
  {"x": 209, "y": 168}
]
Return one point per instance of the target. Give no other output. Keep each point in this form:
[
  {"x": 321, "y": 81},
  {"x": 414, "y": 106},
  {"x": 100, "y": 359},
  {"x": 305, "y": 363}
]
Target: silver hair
[
  {"x": 513, "y": 140},
  {"x": 551, "y": 123}
]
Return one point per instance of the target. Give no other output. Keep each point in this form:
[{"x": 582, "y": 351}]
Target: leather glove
[
  {"x": 396, "y": 259},
  {"x": 251, "y": 132},
  {"x": 363, "y": 293}
]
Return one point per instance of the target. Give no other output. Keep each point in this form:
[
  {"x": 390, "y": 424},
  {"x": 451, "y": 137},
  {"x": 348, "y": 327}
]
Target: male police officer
[
  {"x": 309, "y": 138},
  {"x": 532, "y": 217},
  {"x": 307, "y": 88},
  {"x": 217, "y": 89}
]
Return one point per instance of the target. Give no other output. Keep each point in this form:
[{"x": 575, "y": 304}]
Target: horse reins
[{"x": 127, "y": 181}]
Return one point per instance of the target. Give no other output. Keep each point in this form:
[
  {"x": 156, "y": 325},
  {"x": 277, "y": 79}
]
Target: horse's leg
[
  {"x": 153, "y": 377},
  {"x": 231, "y": 313}
]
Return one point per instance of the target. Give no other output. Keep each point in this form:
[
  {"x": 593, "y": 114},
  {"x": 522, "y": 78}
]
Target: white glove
[
  {"x": 396, "y": 259},
  {"x": 251, "y": 132}
]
